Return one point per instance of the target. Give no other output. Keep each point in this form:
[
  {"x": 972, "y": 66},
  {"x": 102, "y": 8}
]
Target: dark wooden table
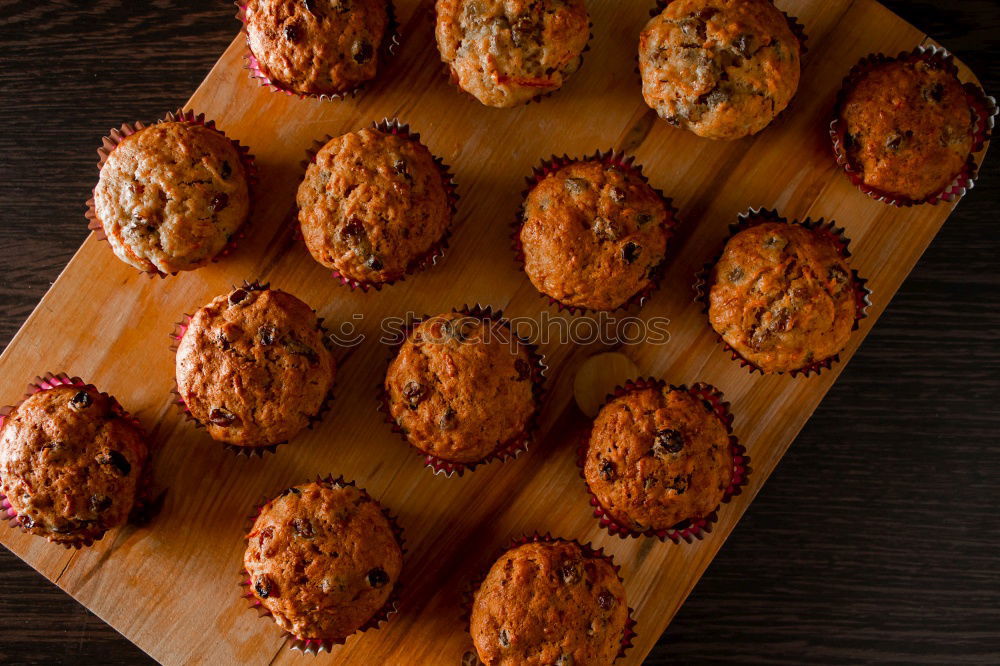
[{"x": 877, "y": 538}]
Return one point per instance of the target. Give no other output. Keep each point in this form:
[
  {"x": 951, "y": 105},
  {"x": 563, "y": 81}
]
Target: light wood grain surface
[{"x": 171, "y": 588}]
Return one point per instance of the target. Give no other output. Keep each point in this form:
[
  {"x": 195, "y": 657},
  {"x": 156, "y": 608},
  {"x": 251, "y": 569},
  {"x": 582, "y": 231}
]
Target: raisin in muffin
[
  {"x": 506, "y": 52},
  {"x": 317, "y": 47},
  {"x": 373, "y": 205},
  {"x": 594, "y": 234},
  {"x": 171, "y": 196},
  {"x": 253, "y": 367},
  {"x": 461, "y": 387},
  {"x": 783, "y": 296},
  {"x": 908, "y": 127},
  {"x": 71, "y": 463},
  {"x": 722, "y": 69},
  {"x": 658, "y": 456},
  {"x": 323, "y": 559},
  {"x": 549, "y": 602}
]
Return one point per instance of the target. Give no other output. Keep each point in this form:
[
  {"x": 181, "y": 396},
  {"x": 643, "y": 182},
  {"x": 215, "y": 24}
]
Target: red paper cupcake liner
[
  {"x": 609, "y": 158},
  {"x": 315, "y": 646},
  {"x": 984, "y": 108},
  {"x": 388, "y": 48},
  {"x": 114, "y": 138},
  {"x": 422, "y": 261},
  {"x": 628, "y": 635},
  {"x": 514, "y": 446},
  {"x": 692, "y": 528},
  {"x": 753, "y": 217},
  {"x": 142, "y": 502},
  {"x": 180, "y": 328}
]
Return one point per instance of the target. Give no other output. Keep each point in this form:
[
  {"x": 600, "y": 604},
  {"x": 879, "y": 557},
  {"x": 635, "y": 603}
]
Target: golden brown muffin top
[
  {"x": 548, "y": 603},
  {"x": 372, "y": 204},
  {"x": 593, "y": 235},
  {"x": 253, "y": 367},
  {"x": 461, "y": 387},
  {"x": 70, "y": 463},
  {"x": 657, "y": 457},
  {"x": 317, "y": 46},
  {"x": 323, "y": 560},
  {"x": 506, "y": 52},
  {"x": 909, "y": 128},
  {"x": 720, "y": 68},
  {"x": 783, "y": 296},
  {"x": 171, "y": 196}
]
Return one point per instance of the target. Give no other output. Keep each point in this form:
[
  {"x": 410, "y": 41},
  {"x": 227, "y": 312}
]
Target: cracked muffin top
[
  {"x": 783, "y": 296},
  {"x": 171, "y": 196},
  {"x": 71, "y": 463},
  {"x": 658, "y": 457},
  {"x": 323, "y": 559},
  {"x": 372, "y": 205},
  {"x": 461, "y": 387},
  {"x": 593, "y": 235},
  {"x": 317, "y": 46},
  {"x": 507, "y": 52},
  {"x": 546, "y": 603},
  {"x": 253, "y": 367},
  {"x": 908, "y": 127},
  {"x": 720, "y": 68}
]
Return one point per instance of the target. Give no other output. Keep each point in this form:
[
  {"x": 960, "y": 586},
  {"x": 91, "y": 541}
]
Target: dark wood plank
[{"x": 875, "y": 539}]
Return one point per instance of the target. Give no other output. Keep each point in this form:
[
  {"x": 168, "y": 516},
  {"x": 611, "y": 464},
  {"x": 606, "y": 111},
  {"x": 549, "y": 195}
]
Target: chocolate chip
[
  {"x": 303, "y": 528},
  {"x": 644, "y": 219},
  {"x": 116, "y": 460},
  {"x": 265, "y": 534},
  {"x": 291, "y": 491},
  {"x": 300, "y": 349},
  {"x": 569, "y": 573},
  {"x": 649, "y": 482},
  {"x": 631, "y": 252},
  {"x": 934, "y": 93},
  {"x": 99, "y": 503},
  {"x": 377, "y": 577},
  {"x": 362, "y": 51},
  {"x": 292, "y": 33},
  {"x": 221, "y": 416},
  {"x": 399, "y": 166},
  {"x": 447, "y": 419},
  {"x": 679, "y": 484},
  {"x": 618, "y": 195},
  {"x": 81, "y": 400},
  {"x": 310, "y": 6},
  {"x": 604, "y": 229},
  {"x": 606, "y": 600},
  {"x": 238, "y": 296},
  {"x": 837, "y": 274},
  {"x": 220, "y": 201},
  {"x": 743, "y": 45},
  {"x": 414, "y": 393},
  {"x": 673, "y": 120},
  {"x": 893, "y": 143},
  {"x": 735, "y": 274},
  {"x": 523, "y": 369},
  {"x": 26, "y": 521},
  {"x": 226, "y": 171},
  {"x": 608, "y": 470},
  {"x": 374, "y": 263},
  {"x": 266, "y": 335},
  {"x": 667, "y": 441},
  {"x": 265, "y": 587},
  {"x": 504, "y": 638},
  {"x": 775, "y": 242},
  {"x": 576, "y": 185}
]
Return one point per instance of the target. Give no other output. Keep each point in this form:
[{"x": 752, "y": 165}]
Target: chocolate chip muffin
[
  {"x": 507, "y": 52},
  {"x": 323, "y": 559},
  {"x": 593, "y": 233},
  {"x": 71, "y": 463},
  {"x": 658, "y": 456},
  {"x": 317, "y": 47},
  {"x": 722, "y": 69},
  {"x": 783, "y": 296},
  {"x": 549, "y": 602},
  {"x": 374, "y": 205},
  {"x": 908, "y": 127},
  {"x": 253, "y": 367},
  {"x": 171, "y": 196},
  {"x": 461, "y": 387}
]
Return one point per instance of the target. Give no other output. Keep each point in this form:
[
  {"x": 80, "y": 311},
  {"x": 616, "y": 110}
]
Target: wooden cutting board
[{"x": 172, "y": 587}]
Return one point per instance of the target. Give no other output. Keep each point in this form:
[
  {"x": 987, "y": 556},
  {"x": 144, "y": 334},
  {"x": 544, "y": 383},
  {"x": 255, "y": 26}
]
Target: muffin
[
  {"x": 316, "y": 47},
  {"x": 374, "y": 205},
  {"x": 71, "y": 463},
  {"x": 593, "y": 233},
  {"x": 782, "y": 296},
  {"x": 323, "y": 560},
  {"x": 908, "y": 128},
  {"x": 508, "y": 52},
  {"x": 253, "y": 367},
  {"x": 550, "y": 602},
  {"x": 171, "y": 196},
  {"x": 658, "y": 456},
  {"x": 723, "y": 69},
  {"x": 462, "y": 387}
]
